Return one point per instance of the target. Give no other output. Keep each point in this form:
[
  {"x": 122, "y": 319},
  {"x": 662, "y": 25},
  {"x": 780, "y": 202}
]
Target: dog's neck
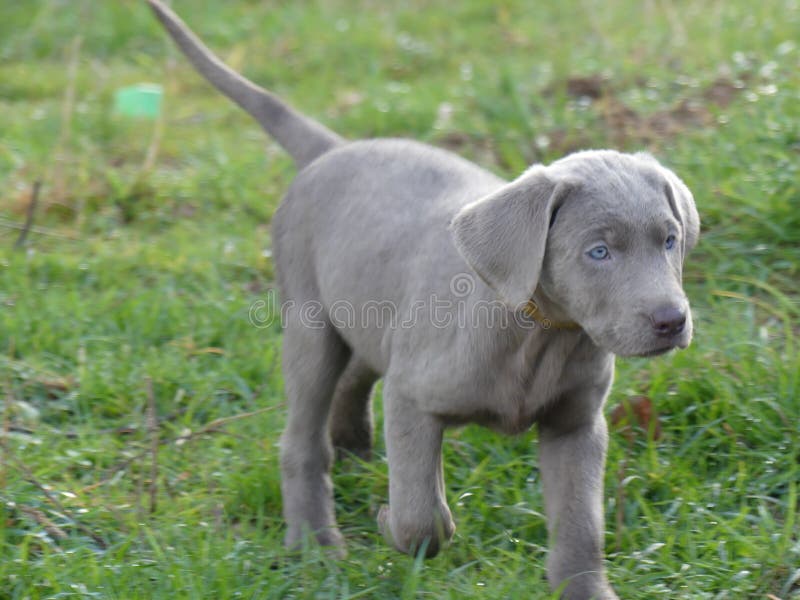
[{"x": 547, "y": 314}]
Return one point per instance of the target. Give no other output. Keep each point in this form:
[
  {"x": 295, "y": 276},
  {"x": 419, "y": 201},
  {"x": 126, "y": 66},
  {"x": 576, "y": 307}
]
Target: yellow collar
[{"x": 532, "y": 310}]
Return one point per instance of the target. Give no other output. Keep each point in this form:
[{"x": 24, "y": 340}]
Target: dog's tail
[{"x": 303, "y": 138}]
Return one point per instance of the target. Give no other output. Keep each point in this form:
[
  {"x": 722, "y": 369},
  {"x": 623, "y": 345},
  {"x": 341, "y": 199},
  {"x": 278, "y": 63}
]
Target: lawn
[{"x": 143, "y": 401}]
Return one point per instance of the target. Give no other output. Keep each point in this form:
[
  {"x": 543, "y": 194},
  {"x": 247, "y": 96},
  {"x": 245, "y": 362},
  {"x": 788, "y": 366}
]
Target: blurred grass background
[{"x": 149, "y": 248}]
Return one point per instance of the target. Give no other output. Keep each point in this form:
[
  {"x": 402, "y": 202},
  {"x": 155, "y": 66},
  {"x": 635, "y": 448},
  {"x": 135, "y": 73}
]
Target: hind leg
[
  {"x": 351, "y": 412},
  {"x": 313, "y": 360}
]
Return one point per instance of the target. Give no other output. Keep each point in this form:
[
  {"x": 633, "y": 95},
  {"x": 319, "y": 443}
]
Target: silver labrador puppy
[{"x": 376, "y": 244}]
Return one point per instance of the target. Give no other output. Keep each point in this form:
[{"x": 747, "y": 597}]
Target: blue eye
[
  {"x": 669, "y": 244},
  {"x": 598, "y": 253}
]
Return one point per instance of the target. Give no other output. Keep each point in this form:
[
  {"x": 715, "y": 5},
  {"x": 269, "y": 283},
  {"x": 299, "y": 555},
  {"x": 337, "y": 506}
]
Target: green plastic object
[{"x": 141, "y": 100}]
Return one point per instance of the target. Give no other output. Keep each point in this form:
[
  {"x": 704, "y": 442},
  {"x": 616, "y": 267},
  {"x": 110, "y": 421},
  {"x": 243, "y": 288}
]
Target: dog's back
[{"x": 369, "y": 222}]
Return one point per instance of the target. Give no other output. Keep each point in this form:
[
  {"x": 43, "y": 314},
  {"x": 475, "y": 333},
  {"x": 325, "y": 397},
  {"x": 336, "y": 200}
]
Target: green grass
[{"x": 150, "y": 273}]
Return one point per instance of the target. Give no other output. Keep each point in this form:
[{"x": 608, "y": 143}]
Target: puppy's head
[{"x": 600, "y": 235}]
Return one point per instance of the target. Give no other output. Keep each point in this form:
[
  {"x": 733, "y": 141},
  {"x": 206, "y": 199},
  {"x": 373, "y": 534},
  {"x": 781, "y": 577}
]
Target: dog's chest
[{"x": 508, "y": 391}]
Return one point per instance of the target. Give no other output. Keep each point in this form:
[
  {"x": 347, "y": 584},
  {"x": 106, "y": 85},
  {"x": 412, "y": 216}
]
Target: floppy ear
[
  {"x": 503, "y": 236},
  {"x": 682, "y": 204}
]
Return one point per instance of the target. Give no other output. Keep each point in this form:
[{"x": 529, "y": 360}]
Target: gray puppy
[{"x": 476, "y": 300}]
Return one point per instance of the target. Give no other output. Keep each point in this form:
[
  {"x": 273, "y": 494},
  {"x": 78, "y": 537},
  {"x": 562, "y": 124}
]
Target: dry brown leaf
[{"x": 641, "y": 411}]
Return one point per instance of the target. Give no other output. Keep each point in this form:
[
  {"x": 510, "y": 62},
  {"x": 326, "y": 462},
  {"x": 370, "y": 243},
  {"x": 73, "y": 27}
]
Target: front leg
[
  {"x": 572, "y": 457},
  {"x": 417, "y": 515}
]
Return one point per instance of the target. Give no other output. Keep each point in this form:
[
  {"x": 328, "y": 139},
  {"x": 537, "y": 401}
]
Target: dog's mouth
[
  {"x": 657, "y": 351},
  {"x": 652, "y": 345},
  {"x": 648, "y": 349}
]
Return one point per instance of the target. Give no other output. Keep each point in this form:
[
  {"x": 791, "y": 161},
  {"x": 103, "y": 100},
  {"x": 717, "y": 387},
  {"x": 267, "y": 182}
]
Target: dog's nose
[{"x": 668, "y": 321}]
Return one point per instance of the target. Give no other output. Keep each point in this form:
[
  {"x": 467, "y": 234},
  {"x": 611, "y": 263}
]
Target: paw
[
  {"x": 330, "y": 538},
  {"x": 412, "y": 537},
  {"x": 347, "y": 449},
  {"x": 606, "y": 594},
  {"x": 383, "y": 522},
  {"x": 348, "y": 443},
  {"x": 582, "y": 591}
]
